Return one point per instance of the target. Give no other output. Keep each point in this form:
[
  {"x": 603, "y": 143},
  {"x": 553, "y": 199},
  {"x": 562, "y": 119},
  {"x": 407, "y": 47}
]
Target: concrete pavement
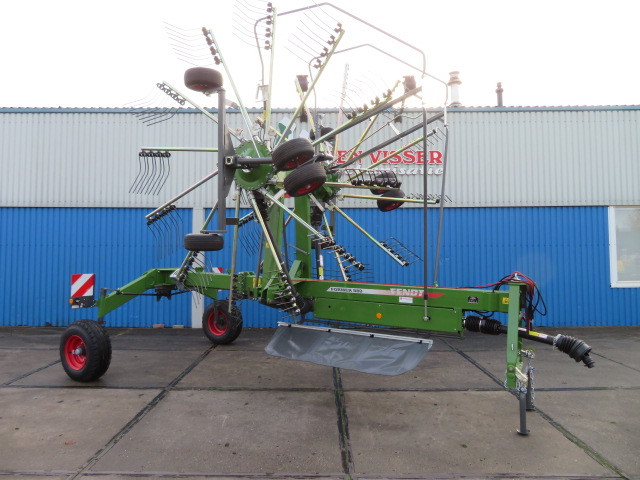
[{"x": 173, "y": 406}]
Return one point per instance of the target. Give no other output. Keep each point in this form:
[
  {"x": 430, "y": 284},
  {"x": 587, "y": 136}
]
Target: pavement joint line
[
  {"x": 343, "y": 425},
  {"x": 484, "y": 476},
  {"x": 31, "y": 474},
  {"x": 25, "y": 375},
  {"x": 477, "y": 365},
  {"x": 154, "y": 475},
  {"x": 566, "y": 433},
  {"x": 139, "y": 416},
  {"x": 274, "y": 476},
  {"x": 615, "y": 361},
  {"x": 581, "y": 444},
  {"x": 314, "y": 390}
]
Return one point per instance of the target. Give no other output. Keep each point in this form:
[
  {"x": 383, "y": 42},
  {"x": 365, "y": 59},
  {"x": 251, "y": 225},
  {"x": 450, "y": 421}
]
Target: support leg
[
  {"x": 522, "y": 402},
  {"x": 530, "y": 405}
]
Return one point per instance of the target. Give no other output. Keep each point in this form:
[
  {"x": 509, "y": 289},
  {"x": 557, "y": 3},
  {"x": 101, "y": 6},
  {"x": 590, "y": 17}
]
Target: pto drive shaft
[{"x": 574, "y": 347}]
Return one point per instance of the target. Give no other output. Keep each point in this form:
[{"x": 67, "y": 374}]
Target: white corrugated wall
[{"x": 497, "y": 157}]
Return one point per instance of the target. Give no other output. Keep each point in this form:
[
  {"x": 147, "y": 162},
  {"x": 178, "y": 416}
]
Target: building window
[{"x": 624, "y": 246}]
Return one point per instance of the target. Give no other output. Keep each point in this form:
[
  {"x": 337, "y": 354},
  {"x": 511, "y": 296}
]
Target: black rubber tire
[
  {"x": 227, "y": 327},
  {"x": 292, "y": 153},
  {"x": 203, "y": 242},
  {"x": 323, "y": 132},
  {"x": 85, "y": 350},
  {"x": 389, "y": 205},
  {"x": 305, "y": 179},
  {"x": 203, "y": 79},
  {"x": 387, "y": 179}
]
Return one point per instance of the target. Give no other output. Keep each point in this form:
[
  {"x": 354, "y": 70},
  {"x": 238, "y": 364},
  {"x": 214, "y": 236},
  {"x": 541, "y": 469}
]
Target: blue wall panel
[
  {"x": 565, "y": 250},
  {"x": 42, "y": 247}
]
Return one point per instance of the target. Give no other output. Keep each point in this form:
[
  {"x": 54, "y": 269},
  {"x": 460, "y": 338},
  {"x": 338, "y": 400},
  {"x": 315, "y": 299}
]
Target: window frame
[{"x": 613, "y": 251}]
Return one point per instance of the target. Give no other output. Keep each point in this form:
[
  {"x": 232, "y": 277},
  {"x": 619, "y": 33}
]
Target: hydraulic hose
[{"x": 574, "y": 347}]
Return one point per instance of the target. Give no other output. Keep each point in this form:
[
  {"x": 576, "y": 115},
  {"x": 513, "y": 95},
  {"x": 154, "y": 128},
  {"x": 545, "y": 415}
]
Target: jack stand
[
  {"x": 523, "y": 395},
  {"x": 529, "y": 395}
]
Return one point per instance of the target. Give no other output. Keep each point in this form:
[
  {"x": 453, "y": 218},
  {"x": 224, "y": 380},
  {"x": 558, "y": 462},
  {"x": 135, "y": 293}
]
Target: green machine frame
[{"x": 255, "y": 167}]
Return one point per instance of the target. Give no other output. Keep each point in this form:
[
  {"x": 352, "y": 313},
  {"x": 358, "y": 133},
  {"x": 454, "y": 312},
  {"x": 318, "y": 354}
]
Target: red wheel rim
[
  {"x": 75, "y": 352},
  {"x": 219, "y": 327},
  {"x": 296, "y": 162},
  {"x": 309, "y": 188},
  {"x": 392, "y": 206}
]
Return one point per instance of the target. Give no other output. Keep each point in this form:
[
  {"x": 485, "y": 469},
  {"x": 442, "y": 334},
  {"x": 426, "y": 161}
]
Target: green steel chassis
[{"x": 359, "y": 305}]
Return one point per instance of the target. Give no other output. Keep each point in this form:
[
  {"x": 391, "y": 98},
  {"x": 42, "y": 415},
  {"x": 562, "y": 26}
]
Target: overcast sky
[{"x": 73, "y": 53}]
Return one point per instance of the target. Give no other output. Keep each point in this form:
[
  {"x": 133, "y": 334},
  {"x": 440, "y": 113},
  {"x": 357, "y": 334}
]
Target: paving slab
[
  {"x": 477, "y": 342},
  {"x": 251, "y": 339},
  {"x": 42, "y": 338},
  {"x": 35, "y": 475},
  {"x": 17, "y": 362},
  {"x": 619, "y": 344},
  {"x": 164, "y": 339},
  {"x": 605, "y": 420},
  {"x": 53, "y": 430},
  {"x": 254, "y": 369},
  {"x": 555, "y": 369},
  {"x": 191, "y": 476},
  {"x": 128, "y": 369},
  {"x": 227, "y": 432},
  {"x": 437, "y": 370},
  {"x": 448, "y": 433}
]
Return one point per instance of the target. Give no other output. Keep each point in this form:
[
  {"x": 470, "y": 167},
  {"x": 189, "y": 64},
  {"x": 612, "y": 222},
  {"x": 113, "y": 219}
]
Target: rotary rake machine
[{"x": 345, "y": 323}]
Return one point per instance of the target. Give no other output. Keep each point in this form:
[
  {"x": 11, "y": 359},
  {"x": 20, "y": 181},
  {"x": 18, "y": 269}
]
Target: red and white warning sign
[
  {"x": 217, "y": 270},
  {"x": 82, "y": 284}
]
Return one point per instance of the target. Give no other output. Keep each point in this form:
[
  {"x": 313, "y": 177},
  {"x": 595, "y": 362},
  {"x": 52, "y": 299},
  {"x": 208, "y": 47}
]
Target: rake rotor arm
[
  {"x": 310, "y": 90},
  {"x": 337, "y": 209},
  {"x": 184, "y": 193}
]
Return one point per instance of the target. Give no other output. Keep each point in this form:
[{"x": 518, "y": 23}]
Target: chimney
[
  {"x": 499, "y": 91},
  {"x": 454, "y": 85}
]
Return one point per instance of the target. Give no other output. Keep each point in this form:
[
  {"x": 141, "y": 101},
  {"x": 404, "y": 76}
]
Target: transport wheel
[
  {"x": 85, "y": 350},
  {"x": 292, "y": 154},
  {"x": 203, "y": 79},
  {"x": 305, "y": 179},
  {"x": 387, "y": 179},
  {"x": 203, "y": 242},
  {"x": 385, "y": 205},
  {"x": 220, "y": 326},
  {"x": 323, "y": 132}
]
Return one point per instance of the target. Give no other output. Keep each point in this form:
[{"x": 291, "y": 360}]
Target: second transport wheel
[
  {"x": 305, "y": 179},
  {"x": 219, "y": 325},
  {"x": 85, "y": 350}
]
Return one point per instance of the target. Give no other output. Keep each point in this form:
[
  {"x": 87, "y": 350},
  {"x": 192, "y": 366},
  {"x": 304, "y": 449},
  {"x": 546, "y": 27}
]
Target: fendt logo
[{"x": 404, "y": 163}]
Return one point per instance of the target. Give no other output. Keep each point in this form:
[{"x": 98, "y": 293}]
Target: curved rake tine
[
  {"x": 169, "y": 117},
  {"x": 161, "y": 186},
  {"x": 321, "y": 25},
  {"x": 135, "y": 188},
  {"x": 160, "y": 231},
  {"x": 296, "y": 54},
  {"x": 152, "y": 228},
  {"x": 151, "y": 119},
  {"x": 157, "y": 174},
  {"x": 164, "y": 173},
  {"x": 248, "y": 6},
  {"x": 152, "y": 167},
  {"x": 312, "y": 36},
  {"x": 173, "y": 228},
  {"x": 135, "y": 181}
]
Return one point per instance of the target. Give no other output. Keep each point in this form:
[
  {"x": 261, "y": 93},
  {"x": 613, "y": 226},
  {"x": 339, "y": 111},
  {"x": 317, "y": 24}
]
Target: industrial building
[{"x": 552, "y": 192}]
